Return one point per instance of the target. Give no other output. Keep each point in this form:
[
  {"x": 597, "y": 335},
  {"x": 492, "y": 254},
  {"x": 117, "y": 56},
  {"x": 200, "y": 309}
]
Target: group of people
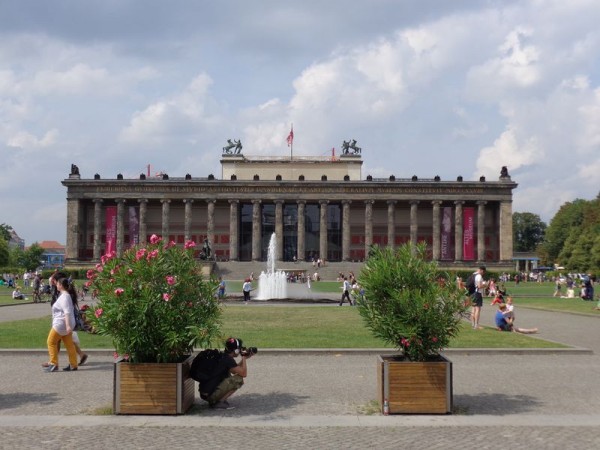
[
  {"x": 586, "y": 287},
  {"x": 504, "y": 317}
]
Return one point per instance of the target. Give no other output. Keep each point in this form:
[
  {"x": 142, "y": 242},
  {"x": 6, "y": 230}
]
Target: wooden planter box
[
  {"x": 152, "y": 388},
  {"x": 415, "y": 387}
]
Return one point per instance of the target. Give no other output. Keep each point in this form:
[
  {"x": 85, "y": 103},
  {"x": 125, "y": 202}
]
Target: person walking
[
  {"x": 477, "y": 298},
  {"x": 63, "y": 323},
  {"x": 346, "y": 292},
  {"x": 246, "y": 288}
]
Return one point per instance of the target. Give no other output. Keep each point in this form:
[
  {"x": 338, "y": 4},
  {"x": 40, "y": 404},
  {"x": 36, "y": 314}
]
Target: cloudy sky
[{"x": 426, "y": 87}]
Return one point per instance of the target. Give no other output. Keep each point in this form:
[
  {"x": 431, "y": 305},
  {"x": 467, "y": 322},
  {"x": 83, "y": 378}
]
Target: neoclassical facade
[{"x": 317, "y": 208}]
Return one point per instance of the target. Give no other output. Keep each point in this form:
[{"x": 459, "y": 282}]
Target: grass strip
[{"x": 281, "y": 327}]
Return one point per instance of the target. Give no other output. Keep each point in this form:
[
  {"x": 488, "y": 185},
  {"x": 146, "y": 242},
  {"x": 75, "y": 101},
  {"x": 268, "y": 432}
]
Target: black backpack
[
  {"x": 470, "y": 284},
  {"x": 205, "y": 364}
]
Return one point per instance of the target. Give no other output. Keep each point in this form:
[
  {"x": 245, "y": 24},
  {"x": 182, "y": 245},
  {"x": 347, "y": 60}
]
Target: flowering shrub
[
  {"x": 408, "y": 303},
  {"x": 154, "y": 302}
]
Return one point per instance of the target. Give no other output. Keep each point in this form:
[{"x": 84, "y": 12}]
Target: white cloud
[{"x": 26, "y": 140}]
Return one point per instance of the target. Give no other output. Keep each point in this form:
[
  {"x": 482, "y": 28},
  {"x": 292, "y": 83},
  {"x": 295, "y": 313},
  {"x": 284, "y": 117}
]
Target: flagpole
[{"x": 292, "y": 145}]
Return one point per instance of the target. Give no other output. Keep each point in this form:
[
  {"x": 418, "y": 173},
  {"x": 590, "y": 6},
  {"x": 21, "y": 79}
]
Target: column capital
[
  {"x": 165, "y": 200},
  {"x": 254, "y": 202},
  {"x": 233, "y": 201},
  {"x": 301, "y": 202},
  {"x": 414, "y": 202},
  {"x": 279, "y": 202},
  {"x": 481, "y": 202},
  {"x": 142, "y": 200},
  {"x": 459, "y": 202},
  {"x": 392, "y": 202},
  {"x": 188, "y": 200},
  {"x": 369, "y": 202},
  {"x": 323, "y": 202},
  {"x": 211, "y": 200},
  {"x": 98, "y": 200},
  {"x": 346, "y": 202},
  {"x": 436, "y": 202},
  {"x": 120, "y": 200}
]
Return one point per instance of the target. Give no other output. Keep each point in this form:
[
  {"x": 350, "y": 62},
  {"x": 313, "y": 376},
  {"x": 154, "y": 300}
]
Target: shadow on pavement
[
  {"x": 496, "y": 404},
  {"x": 18, "y": 399},
  {"x": 253, "y": 404}
]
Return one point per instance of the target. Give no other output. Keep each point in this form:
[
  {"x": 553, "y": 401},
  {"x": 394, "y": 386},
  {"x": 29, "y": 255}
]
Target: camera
[{"x": 248, "y": 351}]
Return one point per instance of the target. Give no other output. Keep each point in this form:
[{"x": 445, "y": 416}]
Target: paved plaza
[{"x": 323, "y": 399}]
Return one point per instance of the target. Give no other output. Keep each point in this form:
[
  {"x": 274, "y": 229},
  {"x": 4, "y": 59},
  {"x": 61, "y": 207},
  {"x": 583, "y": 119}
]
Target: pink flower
[
  {"x": 98, "y": 313},
  {"x": 152, "y": 254},
  {"x": 434, "y": 339},
  {"x": 166, "y": 297},
  {"x": 170, "y": 280},
  {"x": 140, "y": 254},
  {"x": 119, "y": 291},
  {"x": 87, "y": 284},
  {"x": 129, "y": 271},
  {"x": 99, "y": 267},
  {"x": 189, "y": 244},
  {"x": 404, "y": 342},
  {"x": 154, "y": 239},
  {"x": 170, "y": 244},
  {"x": 105, "y": 258}
]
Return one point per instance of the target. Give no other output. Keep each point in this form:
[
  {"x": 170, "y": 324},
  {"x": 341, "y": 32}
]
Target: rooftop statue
[
  {"x": 233, "y": 147},
  {"x": 349, "y": 147},
  {"x": 74, "y": 170}
]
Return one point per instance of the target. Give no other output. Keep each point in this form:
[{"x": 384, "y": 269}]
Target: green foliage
[
  {"x": 570, "y": 215},
  {"x": 154, "y": 303},
  {"x": 528, "y": 231},
  {"x": 4, "y": 253},
  {"x": 408, "y": 304},
  {"x": 5, "y": 232},
  {"x": 30, "y": 258}
]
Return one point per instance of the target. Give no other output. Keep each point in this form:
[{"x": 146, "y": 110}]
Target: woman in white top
[{"x": 63, "y": 323}]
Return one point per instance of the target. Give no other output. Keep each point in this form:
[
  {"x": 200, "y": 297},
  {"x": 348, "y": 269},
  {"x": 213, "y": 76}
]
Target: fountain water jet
[{"x": 272, "y": 284}]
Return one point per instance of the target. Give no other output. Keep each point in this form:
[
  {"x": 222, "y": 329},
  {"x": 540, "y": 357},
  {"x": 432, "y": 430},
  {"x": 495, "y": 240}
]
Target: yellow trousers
[{"x": 53, "y": 339}]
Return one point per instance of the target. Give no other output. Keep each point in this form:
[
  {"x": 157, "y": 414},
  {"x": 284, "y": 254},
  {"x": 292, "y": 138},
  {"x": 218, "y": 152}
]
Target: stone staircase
[{"x": 238, "y": 270}]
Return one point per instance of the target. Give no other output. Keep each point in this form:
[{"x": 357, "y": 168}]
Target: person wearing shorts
[{"x": 477, "y": 298}]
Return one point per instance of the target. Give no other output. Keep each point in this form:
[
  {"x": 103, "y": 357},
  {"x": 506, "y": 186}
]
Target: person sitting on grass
[
  {"x": 505, "y": 321},
  {"x": 17, "y": 294},
  {"x": 498, "y": 299}
]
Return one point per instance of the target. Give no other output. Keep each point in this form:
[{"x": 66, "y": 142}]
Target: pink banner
[
  {"x": 446, "y": 234},
  {"x": 468, "y": 234},
  {"x": 134, "y": 226},
  {"x": 111, "y": 229}
]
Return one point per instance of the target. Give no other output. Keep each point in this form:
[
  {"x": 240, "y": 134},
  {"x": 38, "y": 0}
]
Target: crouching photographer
[{"x": 219, "y": 374}]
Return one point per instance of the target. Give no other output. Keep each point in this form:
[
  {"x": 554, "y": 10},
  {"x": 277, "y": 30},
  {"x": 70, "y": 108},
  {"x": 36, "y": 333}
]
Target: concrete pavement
[{"x": 326, "y": 400}]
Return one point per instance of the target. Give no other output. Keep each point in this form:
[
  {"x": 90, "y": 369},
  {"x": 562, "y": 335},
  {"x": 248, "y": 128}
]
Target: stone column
[
  {"x": 187, "y": 231},
  {"x": 143, "y": 225},
  {"x": 233, "y": 229},
  {"x": 73, "y": 219},
  {"x": 256, "y": 227},
  {"x": 323, "y": 230},
  {"x": 120, "y": 226},
  {"x": 97, "y": 229},
  {"x": 506, "y": 231},
  {"x": 436, "y": 230},
  {"x": 210, "y": 225},
  {"x": 481, "y": 230},
  {"x": 414, "y": 222},
  {"x": 368, "y": 226},
  {"x": 458, "y": 231},
  {"x": 301, "y": 231},
  {"x": 279, "y": 228},
  {"x": 165, "y": 219},
  {"x": 391, "y": 223},
  {"x": 346, "y": 230}
]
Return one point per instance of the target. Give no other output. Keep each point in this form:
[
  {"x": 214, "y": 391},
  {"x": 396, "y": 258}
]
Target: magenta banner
[
  {"x": 446, "y": 234},
  {"x": 111, "y": 229},
  {"x": 134, "y": 226},
  {"x": 468, "y": 234}
]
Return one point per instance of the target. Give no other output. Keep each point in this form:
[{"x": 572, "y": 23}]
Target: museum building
[{"x": 318, "y": 207}]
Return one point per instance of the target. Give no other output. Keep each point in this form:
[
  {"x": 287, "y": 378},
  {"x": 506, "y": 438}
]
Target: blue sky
[{"x": 425, "y": 87}]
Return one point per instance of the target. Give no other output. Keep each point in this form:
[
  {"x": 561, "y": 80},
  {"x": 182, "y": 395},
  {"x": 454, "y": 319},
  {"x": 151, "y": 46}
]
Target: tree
[
  {"x": 528, "y": 231},
  {"x": 568, "y": 216},
  {"x": 5, "y": 232},
  {"x": 4, "y": 254},
  {"x": 30, "y": 259}
]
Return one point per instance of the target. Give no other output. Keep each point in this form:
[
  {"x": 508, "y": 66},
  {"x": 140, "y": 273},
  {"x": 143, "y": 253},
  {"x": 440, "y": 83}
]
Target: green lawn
[{"x": 281, "y": 327}]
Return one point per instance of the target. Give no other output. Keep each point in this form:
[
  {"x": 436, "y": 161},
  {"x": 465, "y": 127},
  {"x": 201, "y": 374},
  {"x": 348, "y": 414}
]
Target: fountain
[{"x": 272, "y": 284}]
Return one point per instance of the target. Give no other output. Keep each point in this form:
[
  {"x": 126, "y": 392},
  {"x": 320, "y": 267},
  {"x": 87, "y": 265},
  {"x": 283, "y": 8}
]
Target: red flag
[{"x": 290, "y": 138}]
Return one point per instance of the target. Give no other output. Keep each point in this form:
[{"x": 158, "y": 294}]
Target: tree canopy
[{"x": 528, "y": 231}]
